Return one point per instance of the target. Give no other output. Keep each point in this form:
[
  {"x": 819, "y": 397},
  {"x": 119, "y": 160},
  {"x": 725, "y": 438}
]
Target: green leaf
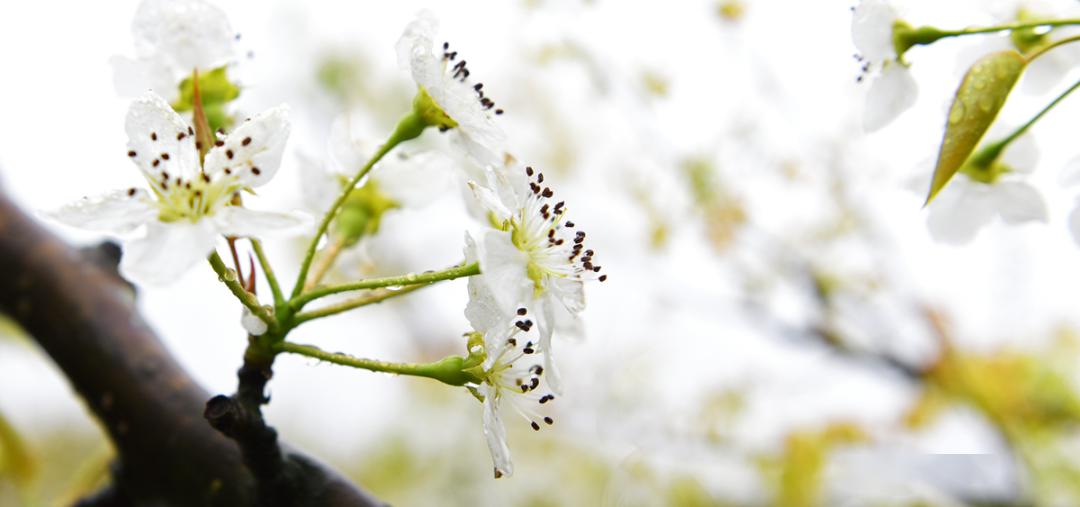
[{"x": 980, "y": 97}]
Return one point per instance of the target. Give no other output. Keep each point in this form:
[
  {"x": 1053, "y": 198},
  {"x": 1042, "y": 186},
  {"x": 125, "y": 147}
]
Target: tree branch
[{"x": 84, "y": 318}]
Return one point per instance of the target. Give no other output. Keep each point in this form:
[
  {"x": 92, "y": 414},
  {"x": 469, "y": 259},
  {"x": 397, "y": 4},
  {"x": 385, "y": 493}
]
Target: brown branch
[{"x": 83, "y": 316}]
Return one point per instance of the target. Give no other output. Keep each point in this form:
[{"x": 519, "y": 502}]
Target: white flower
[
  {"x": 966, "y": 205},
  {"x": 187, "y": 206},
  {"x": 173, "y": 38},
  {"x": 530, "y": 258},
  {"x": 513, "y": 368},
  {"x": 893, "y": 90},
  {"x": 462, "y": 104}
]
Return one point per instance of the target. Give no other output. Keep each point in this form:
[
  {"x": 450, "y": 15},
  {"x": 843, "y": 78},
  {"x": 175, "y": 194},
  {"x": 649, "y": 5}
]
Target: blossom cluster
[{"x": 533, "y": 260}]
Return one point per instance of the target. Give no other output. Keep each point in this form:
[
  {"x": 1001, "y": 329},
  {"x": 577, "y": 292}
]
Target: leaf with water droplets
[{"x": 978, "y": 100}]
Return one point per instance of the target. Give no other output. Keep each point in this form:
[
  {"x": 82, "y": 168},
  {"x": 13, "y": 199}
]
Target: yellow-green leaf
[{"x": 980, "y": 97}]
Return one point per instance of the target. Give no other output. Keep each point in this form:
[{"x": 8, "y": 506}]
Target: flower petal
[
  {"x": 1022, "y": 155},
  {"x": 252, "y": 152},
  {"x": 872, "y": 30},
  {"x": 959, "y": 211},
  {"x": 117, "y": 212},
  {"x": 504, "y": 269},
  {"x": 166, "y": 252},
  {"x": 240, "y": 221},
  {"x": 495, "y": 433},
  {"x": 491, "y": 202},
  {"x": 483, "y": 310},
  {"x": 188, "y": 34},
  {"x": 1018, "y": 202},
  {"x": 414, "y": 180},
  {"x": 892, "y": 92},
  {"x": 160, "y": 142}
]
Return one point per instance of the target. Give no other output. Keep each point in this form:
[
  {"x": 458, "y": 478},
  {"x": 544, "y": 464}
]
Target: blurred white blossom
[
  {"x": 893, "y": 90},
  {"x": 172, "y": 39}
]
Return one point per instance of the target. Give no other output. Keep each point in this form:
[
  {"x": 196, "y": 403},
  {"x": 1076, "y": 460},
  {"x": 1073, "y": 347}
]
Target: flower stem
[
  {"x": 329, "y": 256},
  {"x": 1010, "y": 26},
  {"x": 268, "y": 271},
  {"x": 1023, "y": 128},
  {"x": 408, "y": 128},
  {"x": 447, "y": 370},
  {"x": 376, "y": 296},
  {"x": 1043, "y": 50},
  {"x": 228, "y": 277},
  {"x": 392, "y": 281}
]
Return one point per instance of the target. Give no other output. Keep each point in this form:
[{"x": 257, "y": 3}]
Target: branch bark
[{"x": 84, "y": 317}]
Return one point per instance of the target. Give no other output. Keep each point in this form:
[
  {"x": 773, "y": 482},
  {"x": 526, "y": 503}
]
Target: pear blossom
[
  {"x": 512, "y": 372},
  {"x": 967, "y": 204},
  {"x": 448, "y": 97},
  {"x": 530, "y": 257},
  {"x": 172, "y": 39},
  {"x": 893, "y": 90},
  {"x": 186, "y": 206}
]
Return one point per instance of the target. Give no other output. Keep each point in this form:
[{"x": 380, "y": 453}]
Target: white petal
[
  {"x": 413, "y": 180},
  {"x": 872, "y": 30},
  {"x": 252, "y": 152},
  {"x": 319, "y": 186},
  {"x": 417, "y": 38},
  {"x": 166, "y": 252},
  {"x": 1074, "y": 223},
  {"x": 159, "y": 140},
  {"x": 491, "y": 202},
  {"x": 117, "y": 212},
  {"x": 240, "y": 221},
  {"x": 254, "y": 325},
  {"x": 188, "y": 34},
  {"x": 892, "y": 92},
  {"x": 495, "y": 433},
  {"x": 1022, "y": 155},
  {"x": 545, "y": 326},
  {"x": 483, "y": 310},
  {"x": 503, "y": 267},
  {"x": 956, "y": 215},
  {"x": 351, "y": 141},
  {"x": 1018, "y": 202}
]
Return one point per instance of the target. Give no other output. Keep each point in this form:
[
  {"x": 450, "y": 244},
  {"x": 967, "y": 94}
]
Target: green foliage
[
  {"x": 215, "y": 90},
  {"x": 976, "y": 104}
]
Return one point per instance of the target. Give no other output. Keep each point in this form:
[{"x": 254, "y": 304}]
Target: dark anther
[
  {"x": 535, "y": 426},
  {"x": 246, "y": 141},
  {"x": 153, "y": 136},
  {"x": 131, "y": 153}
]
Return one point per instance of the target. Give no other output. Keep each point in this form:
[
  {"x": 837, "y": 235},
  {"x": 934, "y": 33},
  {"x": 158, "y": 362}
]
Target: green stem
[
  {"x": 1023, "y": 128},
  {"x": 268, "y": 271},
  {"x": 447, "y": 370},
  {"x": 1010, "y": 27},
  {"x": 409, "y": 127},
  {"x": 329, "y": 256},
  {"x": 1043, "y": 50},
  {"x": 392, "y": 281},
  {"x": 377, "y": 296},
  {"x": 228, "y": 277}
]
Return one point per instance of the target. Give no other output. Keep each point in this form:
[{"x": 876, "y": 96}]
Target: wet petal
[
  {"x": 188, "y": 34},
  {"x": 495, "y": 433},
  {"x": 117, "y": 212},
  {"x": 160, "y": 142},
  {"x": 503, "y": 267},
  {"x": 239, "y": 221},
  {"x": 252, "y": 152},
  {"x": 166, "y": 252}
]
